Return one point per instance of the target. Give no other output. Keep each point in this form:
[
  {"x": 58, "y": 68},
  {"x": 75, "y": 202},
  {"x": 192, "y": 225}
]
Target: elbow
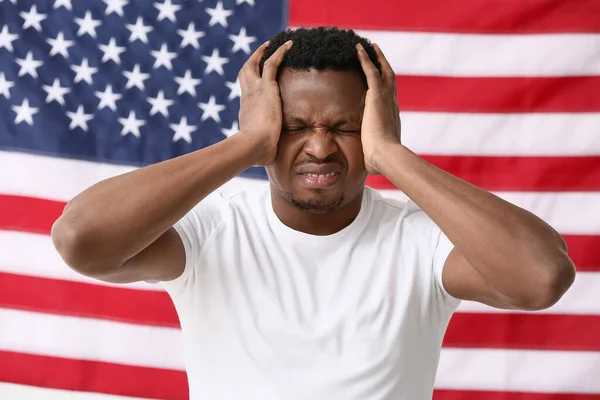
[
  {"x": 73, "y": 246},
  {"x": 552, "y": 285}
]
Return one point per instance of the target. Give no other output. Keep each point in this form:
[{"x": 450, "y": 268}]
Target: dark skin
[
  {"x": 322, "y": 115},
  {"x": 303, "y": 127}
]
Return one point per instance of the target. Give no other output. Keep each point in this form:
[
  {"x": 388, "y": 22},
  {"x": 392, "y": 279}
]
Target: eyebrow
[{"x": 342, "y": 119}]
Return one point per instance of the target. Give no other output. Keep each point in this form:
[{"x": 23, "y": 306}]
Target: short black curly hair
[{"x": 321, "y": 48}]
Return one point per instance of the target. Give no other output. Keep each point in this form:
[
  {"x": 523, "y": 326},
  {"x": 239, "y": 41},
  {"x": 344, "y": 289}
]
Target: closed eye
[
  {"x": 293, "y": 129},
  {"x": 348, "y": 131}
]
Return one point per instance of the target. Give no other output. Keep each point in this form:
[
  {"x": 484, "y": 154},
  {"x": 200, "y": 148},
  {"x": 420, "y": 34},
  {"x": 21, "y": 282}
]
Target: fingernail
[
  {"x": 359, "y": 46},
  {"x": 289, "y": 43}
]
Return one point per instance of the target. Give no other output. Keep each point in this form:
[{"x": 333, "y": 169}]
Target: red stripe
[
  {"x": 524, "y": 331},
  {"x": 56, "y": 296},
  {"x": 124, "y": 380},
  {"x": 466, "y": 16},
  {"x": 584, "y": 251},
  {"x": 440, "y": 394},
  {"x": 30, "y": 214},
  {"x": 473, "y": 330},
  {"x": 499, "y": 94},
  {"x": 498, "y": 173},
  {"x": 92, "y": 376},
  {"x": 34, "y": 215}
]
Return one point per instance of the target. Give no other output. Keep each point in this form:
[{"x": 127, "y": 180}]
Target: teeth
[{"x": 321, "y": 175}]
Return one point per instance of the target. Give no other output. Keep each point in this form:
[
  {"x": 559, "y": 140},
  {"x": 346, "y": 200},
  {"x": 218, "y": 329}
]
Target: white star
[
  {"x": 56, "y": 92},
  {"x": 236, "y": 89},
  {"x": 215, "y": 62},
  {"x": 187, "y": 83},
  {"x": 115, "y": 6},
  {"x": 131, "y": 125},
  {"x": 29, "y": 65},
  {"x": 6, "y": 38},
  {"x": 241, "y": 41},
  {"x": 163, "y": 57},
  {"x": 230, "y": 132},
  {"x": 190, "y": 36},
  {"x": 87, "y": 25},
  {"x": 160, "y": 104},
  {"x": 211, "y": 109},
  {"x": 84, "y": 72},
  {"x": 24, "y": 112},
  {"x": 238, "y": 2},
  {"x": 108, "y": 98},
  {"x": 167, "y": 10},
  {"x": 218, "y": 15},
  {"x": 65, "y": 3},
  {"x": 183, "y": 130},
  {"x": 135, "y": 78},
  {"x": 79, "y": 119},
  {"x": 111, "y": 51},
  {"x": 139, "y": 30},
  {"x": 60, "y": 45},
  {"x": 5, "y": 86},
  {"x": 32, "y": 18}
]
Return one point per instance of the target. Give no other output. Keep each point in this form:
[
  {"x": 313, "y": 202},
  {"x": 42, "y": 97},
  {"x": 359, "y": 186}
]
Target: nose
[{"x": 320, "y": 143}]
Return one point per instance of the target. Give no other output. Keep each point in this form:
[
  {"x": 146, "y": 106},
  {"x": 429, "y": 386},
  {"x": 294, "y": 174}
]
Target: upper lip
[{"x": 319, "y": 169}]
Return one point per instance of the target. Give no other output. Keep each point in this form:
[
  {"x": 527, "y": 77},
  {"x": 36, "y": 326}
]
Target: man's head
[{"x": 319, "y": 165}]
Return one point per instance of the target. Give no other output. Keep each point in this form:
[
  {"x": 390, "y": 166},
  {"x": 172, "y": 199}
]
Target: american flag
[{"x": 502, "y": 93}]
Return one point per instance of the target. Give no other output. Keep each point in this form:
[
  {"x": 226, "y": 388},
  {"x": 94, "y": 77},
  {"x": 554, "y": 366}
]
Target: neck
[{"x": 314, "y": 223}]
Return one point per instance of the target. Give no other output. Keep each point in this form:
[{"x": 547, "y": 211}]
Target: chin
[{"x": 317, "y": 201}]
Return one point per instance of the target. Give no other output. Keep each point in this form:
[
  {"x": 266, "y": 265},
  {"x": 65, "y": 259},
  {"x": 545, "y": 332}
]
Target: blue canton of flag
[{"x": 126, "y": 81}]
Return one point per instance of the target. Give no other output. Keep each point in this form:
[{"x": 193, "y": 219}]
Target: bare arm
[
  {"x": 105, "y": 226},
  {"x": 504, "y": 256},
  {"x": 121, "y": 229}
]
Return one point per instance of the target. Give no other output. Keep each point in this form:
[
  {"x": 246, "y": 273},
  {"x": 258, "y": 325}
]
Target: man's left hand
[{"x": 381, "y": 117}]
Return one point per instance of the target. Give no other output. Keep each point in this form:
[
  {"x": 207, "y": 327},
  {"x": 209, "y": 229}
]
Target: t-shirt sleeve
[
  {"x": 438, "y": 246},
  {"x": 442, "y": 250},
  {"x": 195, "y": 230}
]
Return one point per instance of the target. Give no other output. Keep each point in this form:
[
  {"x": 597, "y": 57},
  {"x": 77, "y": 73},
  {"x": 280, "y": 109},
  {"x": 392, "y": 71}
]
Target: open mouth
[{"x": 319, "y": 180}]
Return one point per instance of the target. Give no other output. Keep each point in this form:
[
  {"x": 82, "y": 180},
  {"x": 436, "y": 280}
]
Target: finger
[
  {"x": 250, "y": 69},
  {"x": 371, "y": 72},
  {"x": 387, "y": 72},
  {"x": 272, "y": 63}
]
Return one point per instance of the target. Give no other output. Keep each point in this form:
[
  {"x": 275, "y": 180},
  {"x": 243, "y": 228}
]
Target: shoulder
[
  {"x": 394, "y": 208},
  {"x": 222, "y": 209}
]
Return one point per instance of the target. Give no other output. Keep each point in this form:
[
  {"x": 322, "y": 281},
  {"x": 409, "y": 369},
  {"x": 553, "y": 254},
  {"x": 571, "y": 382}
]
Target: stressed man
[{"x": 313, "y": 286}]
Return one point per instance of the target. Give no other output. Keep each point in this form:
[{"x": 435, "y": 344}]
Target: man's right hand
[{"x": 260, "y": 113}]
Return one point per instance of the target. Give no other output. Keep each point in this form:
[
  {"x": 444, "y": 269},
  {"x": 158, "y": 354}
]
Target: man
[{"x": 314, "y": 286}]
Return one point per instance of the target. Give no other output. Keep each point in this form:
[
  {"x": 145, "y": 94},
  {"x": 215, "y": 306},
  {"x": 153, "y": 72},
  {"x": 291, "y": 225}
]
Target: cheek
[
  {"x": 352, "y": 149},
  {"x": 287, "y": 151}
]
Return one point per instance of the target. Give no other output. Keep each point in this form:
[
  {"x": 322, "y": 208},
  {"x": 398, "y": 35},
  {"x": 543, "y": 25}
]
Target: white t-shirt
[{"x": 271, "y": 313}]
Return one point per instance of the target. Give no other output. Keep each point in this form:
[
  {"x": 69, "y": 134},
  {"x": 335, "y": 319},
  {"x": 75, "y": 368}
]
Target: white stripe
[
  {"x": 567, "y": 212},
  {"x": 519, "y": 370},
  {"x": 90, "y": 339},
  {"x": 22, "y": 392},
  {"x": 449, "y": 54},
  {"x": 34, "y": 255},
  {"x": 59, "y": 178},
  {"x": 582, "y": 298},
  {"x": 38, "y": 176},
  {"x": 535, "y": 134},
  {"x": 79, "y": 338}
]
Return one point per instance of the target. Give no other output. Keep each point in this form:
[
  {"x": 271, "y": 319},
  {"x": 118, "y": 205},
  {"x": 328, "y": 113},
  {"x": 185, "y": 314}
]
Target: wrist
[
  {"x": 386, "y": 157},
  {"x": 246, "y": 147}
]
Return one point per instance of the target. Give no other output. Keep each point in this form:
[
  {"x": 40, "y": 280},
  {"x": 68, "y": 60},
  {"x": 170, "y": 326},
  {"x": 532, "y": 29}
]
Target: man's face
[{"x": 320, "y": 165}]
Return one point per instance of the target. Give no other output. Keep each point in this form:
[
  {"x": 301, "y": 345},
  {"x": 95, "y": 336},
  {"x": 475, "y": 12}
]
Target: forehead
[{"x": 308, "y": 94}]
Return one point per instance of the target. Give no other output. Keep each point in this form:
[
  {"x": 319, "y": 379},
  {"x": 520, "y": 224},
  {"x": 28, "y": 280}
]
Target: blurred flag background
[{"x": 502, "y": 93}]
